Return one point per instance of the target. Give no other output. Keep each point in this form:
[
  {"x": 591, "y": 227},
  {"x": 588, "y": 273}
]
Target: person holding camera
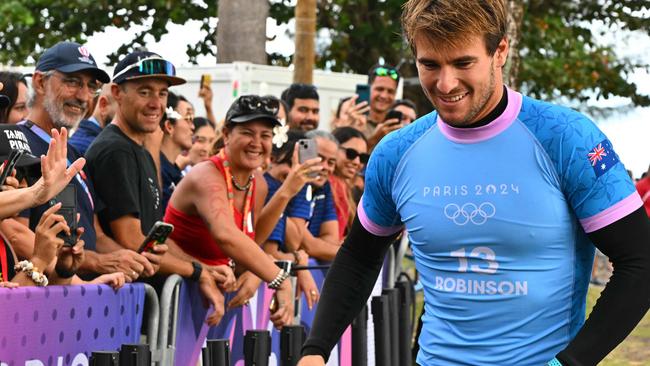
[{"x": 383, "y": 81}]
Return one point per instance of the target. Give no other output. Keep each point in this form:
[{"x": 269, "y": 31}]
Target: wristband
[
  {"x": 32, "y": 272},
  {"x": 198, "y": 268},
  {"x": 279, "y": 278}
]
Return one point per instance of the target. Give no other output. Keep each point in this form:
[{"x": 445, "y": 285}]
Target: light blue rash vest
[{"x": 497, "y": 217}]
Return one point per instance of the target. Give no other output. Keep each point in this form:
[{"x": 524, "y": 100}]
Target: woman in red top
[
  {"x": 352, "y": 156},
  {"x": 218, "y": 208}
]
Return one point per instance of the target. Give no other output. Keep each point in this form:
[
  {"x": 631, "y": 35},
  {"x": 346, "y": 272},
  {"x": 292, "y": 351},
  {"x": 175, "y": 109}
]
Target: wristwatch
[{"x": 198, "y": 268}]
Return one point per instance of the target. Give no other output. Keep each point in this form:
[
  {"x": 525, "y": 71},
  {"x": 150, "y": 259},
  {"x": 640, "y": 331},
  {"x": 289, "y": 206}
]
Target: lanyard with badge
[
  {"x": 247, "y": 225},
  {"x": 47, "y": 138}
]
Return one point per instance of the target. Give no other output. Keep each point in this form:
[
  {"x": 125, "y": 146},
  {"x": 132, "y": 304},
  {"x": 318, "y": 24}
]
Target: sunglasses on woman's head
[
  {"x": 253, "y": 103},
  {"x": 352, "y": 154}
]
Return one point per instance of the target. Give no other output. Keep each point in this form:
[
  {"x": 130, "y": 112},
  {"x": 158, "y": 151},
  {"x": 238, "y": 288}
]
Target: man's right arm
[{"x": 347, "y": 287}]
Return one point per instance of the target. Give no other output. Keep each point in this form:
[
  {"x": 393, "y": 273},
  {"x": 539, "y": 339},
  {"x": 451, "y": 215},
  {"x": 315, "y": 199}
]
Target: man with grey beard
[{"x": 65, "y": 80}]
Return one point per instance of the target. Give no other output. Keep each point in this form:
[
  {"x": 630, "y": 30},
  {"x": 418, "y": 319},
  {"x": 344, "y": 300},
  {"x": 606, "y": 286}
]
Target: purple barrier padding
[
  {"x": 191, "y": 330},
  {"x": 191, "y": 327},
  {"x": 63, "y": 325}
]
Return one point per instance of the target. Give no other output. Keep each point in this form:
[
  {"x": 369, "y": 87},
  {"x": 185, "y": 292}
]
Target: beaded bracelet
[
  {"x": 277, "y": 281},
  {"x": 554, "y": 362},
  {"x": 32, "y": 272}
]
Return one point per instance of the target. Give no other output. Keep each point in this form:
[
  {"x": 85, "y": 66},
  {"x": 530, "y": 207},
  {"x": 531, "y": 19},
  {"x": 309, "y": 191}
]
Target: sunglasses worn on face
[
  {"x": 352, "y": 154},
  {"x": 384, "y": 71},
  {"x": 151, "y": 66},
  {"x": 255, "y": 104}
]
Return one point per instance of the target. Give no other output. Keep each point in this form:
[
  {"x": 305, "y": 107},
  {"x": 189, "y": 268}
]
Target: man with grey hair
[
  {"x": 320, "y": 228},
  {"x": 65, "y": 80}
]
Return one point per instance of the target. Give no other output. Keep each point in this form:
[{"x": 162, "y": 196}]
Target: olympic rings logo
[{"x": 469, "y": 212}]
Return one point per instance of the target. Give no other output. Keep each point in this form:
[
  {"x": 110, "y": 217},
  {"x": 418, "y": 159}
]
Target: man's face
[
  {"x": 142, "y": 103},
  {"x": 462, "y": 83},
  {"x": 327, "y": 150},
  {"x": 304, "y": 114},
  {"x": 67, "y": 96},
  {"x": 184, "y": 127},
  {"x": 382, "y": 94},
  {"x": 408, "y": 114},
  {"x": 204, "y": 139}
]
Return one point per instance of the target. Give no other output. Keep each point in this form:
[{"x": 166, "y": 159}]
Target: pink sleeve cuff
[
  {"x": 371, "y": 226},
  {"x": 621, "y": 209}
]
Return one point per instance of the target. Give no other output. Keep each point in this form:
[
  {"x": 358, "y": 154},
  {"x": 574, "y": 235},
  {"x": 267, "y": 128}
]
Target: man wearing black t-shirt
[
  {"x": 65, "y": 79},
  {"x": 125, "y": 174}
]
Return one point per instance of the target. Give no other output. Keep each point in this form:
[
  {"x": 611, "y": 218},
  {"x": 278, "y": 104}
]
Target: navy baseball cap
[
  {"x": 144, "y": 64},
  {"x": 68, "y": 57}
]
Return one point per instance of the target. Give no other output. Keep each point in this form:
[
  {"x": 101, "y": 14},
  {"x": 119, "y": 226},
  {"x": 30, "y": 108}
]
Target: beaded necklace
[{"x": 247, "y": 225}]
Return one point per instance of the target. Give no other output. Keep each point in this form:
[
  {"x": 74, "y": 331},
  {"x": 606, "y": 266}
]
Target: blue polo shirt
[
  {"x": 321, "y": 208},
  {"x": 171, "y": 176},
  {"x": 85, "y": 134},
  {"x": 296, "y": 207}
]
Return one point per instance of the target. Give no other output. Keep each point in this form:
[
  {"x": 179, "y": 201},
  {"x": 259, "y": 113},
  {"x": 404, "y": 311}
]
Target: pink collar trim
[{"x": 478, "y": 134}]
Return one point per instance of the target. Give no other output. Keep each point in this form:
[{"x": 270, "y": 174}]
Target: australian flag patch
[{"x": 602, "y": 157}]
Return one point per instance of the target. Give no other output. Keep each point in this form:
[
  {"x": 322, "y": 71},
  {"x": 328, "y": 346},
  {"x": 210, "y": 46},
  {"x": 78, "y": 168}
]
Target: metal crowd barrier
[{"x": 168, "y": 320}]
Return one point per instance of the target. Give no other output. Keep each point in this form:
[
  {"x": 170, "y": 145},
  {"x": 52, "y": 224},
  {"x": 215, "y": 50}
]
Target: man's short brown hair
[{"x": 452, "y": 23}]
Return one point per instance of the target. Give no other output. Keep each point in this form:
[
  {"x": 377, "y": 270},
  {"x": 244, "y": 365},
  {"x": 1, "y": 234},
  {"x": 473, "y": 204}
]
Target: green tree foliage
[
  {"x": 29, "y": 26},
  {"x": 560, "y": 54}
]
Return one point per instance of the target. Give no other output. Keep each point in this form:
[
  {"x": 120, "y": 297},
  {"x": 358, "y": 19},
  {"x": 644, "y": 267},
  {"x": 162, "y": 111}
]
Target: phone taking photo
[
  {"x": 393, "y": 114},
  {"x": 157, "y": 235},
  {"x": 363, "y": 91},
  {"x": 68, "y": 199},
  {"x": 206, "y": 80},
  {"x": 307, "y": 150},
  {"x": 9, "y": 165}
]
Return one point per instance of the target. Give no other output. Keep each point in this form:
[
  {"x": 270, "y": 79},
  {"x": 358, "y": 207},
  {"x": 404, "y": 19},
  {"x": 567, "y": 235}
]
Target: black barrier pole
[
  {"x": 405, "y": 327},
  {"x": 217, "y": 352},
  {"x": 205, "y": 356},
  {"x": 135, "y": 355},
  {"x": 291, "y": 339},
  {"x": 257, "y": 348},
  {"x": 381, "y": 319},
  {"x": 360, "y": 338},
  {"x": 393, "y": 313},
  {"x": 105, "y": 358}
]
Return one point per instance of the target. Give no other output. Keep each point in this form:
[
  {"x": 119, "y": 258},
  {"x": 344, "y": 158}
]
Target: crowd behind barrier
[{"x": 63, "y": 325}]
